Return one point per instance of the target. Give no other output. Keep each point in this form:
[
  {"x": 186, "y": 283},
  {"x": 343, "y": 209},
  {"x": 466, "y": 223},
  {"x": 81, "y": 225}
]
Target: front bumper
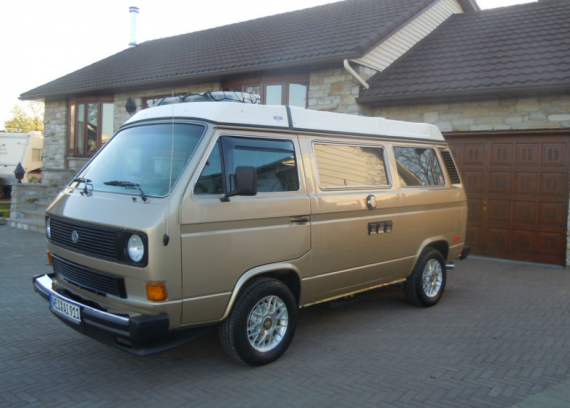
[{"x": 140, "y": 335}]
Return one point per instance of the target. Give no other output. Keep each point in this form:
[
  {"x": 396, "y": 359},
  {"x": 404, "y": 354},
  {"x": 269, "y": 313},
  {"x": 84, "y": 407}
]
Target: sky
[{"x": 43, "y": 40}]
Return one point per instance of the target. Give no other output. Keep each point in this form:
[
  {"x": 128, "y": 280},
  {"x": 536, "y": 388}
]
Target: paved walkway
[{"x": 500, "y": 337}]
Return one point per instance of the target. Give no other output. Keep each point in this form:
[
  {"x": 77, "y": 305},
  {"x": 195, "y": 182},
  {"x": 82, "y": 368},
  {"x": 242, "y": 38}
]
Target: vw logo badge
[{"x": 75, "y": 237}]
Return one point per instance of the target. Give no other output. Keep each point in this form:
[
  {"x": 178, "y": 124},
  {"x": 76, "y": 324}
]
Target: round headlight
[
  {"x": 48, "y": 227},
  {"x": 135, "y": 248}
]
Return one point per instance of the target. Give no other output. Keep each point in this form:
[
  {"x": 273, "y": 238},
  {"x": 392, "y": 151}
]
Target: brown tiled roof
[
  {"x": 509, "y": 51},
  {"x": 331, "y": 32}
]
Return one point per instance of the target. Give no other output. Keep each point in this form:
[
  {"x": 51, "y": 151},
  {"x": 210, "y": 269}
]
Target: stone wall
[
  {"x": 336, "y": 90},
  {"x": 56, "y": 173},
  {"x": 552, "y": 112},
  {"x": 55, "y": 134}
]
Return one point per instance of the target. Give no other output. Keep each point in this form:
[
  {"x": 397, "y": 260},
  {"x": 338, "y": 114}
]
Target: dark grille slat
[
  {"x": 89, "y": 244},
  {"x": 96, "y": 235},
  {"x": 88, "y": 235},
  {"x": 84, "y": 237},
  {"x": 89, "y": 279},
  {"x": 451, "y": 169}
]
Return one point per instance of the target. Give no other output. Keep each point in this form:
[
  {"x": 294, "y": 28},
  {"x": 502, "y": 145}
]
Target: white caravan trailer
[{"x": 25, "y": 148}]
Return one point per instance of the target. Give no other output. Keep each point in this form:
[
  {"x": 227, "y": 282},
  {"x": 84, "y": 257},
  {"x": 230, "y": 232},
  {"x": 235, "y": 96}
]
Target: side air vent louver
[{"x": 451, "y": 169}]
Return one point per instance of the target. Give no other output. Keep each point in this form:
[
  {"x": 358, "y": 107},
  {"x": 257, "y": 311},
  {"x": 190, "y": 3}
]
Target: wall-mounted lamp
[
  {"x": 19, "y": 172},
  {"x": 131, "y": 106}
]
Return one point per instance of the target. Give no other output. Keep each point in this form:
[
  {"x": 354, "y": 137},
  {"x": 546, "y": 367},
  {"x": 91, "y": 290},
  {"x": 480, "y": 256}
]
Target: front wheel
[
  {"x": 425, "y": 286},
  {"x": 261, "y": 324}
]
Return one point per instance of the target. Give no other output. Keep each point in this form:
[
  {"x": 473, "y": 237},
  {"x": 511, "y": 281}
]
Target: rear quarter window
[{"x": 418, "y": 167}]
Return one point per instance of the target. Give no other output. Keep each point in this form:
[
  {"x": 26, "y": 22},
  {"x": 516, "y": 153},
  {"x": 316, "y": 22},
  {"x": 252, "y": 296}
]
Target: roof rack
[{"x": 210, "y": 96}]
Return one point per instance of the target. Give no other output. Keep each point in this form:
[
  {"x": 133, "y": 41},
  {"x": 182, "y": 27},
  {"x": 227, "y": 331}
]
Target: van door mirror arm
[{"x": 245, "y": 181}]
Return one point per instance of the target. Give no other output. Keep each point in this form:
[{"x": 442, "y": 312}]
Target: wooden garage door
[{"x": 517, "y": 190}]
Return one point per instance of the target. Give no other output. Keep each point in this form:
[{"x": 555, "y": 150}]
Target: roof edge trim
[{"x": 465, "y": 95}]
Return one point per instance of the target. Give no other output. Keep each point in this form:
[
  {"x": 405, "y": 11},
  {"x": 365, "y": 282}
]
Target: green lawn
[{"x": 4, "y": 210}]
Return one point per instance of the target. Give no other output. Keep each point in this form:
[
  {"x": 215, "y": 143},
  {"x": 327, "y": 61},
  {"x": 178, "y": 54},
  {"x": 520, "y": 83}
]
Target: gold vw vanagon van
[{"x": 236, "y": 215}]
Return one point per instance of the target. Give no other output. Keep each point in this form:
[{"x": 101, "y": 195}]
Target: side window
[
  {"x": 274, "y": 160},
  {"x": 210, "y": 181},
  {"x": 418, "y": 166},
  {"x": 341, "y": 166}
]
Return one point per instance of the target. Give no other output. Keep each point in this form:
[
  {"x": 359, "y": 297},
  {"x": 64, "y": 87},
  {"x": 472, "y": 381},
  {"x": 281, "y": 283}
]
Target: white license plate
[{"x": 68, "y": 310}]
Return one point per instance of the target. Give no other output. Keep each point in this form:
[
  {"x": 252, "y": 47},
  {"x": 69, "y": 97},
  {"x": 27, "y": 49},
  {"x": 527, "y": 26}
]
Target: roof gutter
[{"x": 352, "y": 72}]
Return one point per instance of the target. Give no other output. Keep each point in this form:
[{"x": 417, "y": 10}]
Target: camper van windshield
[{"x": 143, "y": 156}]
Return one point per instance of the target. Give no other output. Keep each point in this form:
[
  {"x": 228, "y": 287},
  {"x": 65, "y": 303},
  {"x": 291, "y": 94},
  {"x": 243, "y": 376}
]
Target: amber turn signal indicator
[
  {"x": 156, "y": 291},
  {"x": 48, "y": 253}
]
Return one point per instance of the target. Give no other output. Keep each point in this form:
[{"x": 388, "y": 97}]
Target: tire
[
  {"x": 425, "y": 286},
  {"x": 269, "y": 309}
]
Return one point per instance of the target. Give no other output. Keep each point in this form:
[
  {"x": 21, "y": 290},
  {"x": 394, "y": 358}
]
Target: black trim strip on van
[
  {"x": 289, "y": 117},
  {"x": 333, "y": 132}
]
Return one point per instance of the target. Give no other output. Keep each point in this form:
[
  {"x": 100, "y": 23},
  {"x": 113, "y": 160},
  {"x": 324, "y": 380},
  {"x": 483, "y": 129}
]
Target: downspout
[{"x": 355, "y": 75}]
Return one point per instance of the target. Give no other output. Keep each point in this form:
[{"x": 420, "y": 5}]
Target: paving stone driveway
[{"x": 499, "y": 337}]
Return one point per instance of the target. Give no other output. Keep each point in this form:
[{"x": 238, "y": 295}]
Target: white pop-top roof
[{"x": 292, "y": 118}]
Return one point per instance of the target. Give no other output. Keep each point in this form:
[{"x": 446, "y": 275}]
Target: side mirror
[{"x": 245, "y": 181}]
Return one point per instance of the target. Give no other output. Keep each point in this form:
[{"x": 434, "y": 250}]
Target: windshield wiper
[
  {"x": 127, "y": 185},
  {"x": 85, "y": 181}
]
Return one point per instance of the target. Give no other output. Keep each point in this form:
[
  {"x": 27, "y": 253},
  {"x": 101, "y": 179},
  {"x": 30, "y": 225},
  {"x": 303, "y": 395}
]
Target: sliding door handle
[{"x": 303, "y": 220}]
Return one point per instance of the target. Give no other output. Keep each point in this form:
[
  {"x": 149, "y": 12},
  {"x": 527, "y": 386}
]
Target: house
[{"x": 496, "y": 82}]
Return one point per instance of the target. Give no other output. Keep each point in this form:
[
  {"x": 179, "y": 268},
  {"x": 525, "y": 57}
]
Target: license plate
[{"x": 68, "y": 310}]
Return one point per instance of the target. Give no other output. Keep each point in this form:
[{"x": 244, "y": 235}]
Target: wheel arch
[
  {"x": 425, "y": 285},
  {"x": 438, "y": 243},
  {"x": 284, "y": 272}
]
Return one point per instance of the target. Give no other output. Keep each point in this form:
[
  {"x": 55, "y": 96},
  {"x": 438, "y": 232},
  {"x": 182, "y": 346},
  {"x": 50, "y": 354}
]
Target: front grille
[
  {"x": 88, "y": 279},
  {"x": 101, "y": 242},
  {"x": 451, "y": 169}
]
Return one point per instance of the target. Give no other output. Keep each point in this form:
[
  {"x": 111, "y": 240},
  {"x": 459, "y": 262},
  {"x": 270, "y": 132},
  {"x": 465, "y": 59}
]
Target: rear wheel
[
  {"x": 261, "y": 324},
  {"x": 425, "y": 286}
]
